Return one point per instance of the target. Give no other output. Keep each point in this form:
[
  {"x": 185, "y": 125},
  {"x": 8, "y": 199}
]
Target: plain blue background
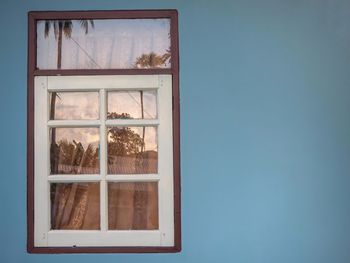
[{"x": 265, "y": 103}]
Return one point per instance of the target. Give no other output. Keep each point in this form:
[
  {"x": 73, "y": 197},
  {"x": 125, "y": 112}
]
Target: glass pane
[
  {"x": 133, "y": 206},
  {"x": 132, "y": 105},
  {"x": 132, "y": 150},
  {"x": 74, "y": 151},
  {"x": 74, "y": 106},
  {"x": 75, "y": 206},
  {"x": 103, "y": 44}
]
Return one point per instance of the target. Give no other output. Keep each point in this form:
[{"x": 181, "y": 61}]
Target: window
[{"x": 103, "y": 132}]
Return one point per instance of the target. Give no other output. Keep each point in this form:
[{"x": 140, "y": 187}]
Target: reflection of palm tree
[
  {"x": 152, "y": 60},
  {"x": 124, "y": 141},
  {"x": 65, "y": 27},
  {"x": 73, "y": 158},
  {"x": 60, "y": 27}
]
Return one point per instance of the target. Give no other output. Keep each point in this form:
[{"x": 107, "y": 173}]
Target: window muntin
[{"x": 121, "y": 43}]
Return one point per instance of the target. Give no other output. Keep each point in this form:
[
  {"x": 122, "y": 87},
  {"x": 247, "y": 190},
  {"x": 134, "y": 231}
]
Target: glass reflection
[
  {"x": 75, "y": 206},
  {"x": 133, "y": 206},
  {"x": 132, "y": 105},
  {"x": 103, "y": 44},
  {"x": 132, "y": 150},
  {"x": 74, "y": 151},
  {"x": 74, "y": 105}
]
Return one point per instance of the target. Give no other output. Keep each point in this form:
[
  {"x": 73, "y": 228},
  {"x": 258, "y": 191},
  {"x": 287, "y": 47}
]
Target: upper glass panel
[
  {"x": 74, "y": 106},
  {"x": 132, "y": 105},
  {"x": 103, "y": 44}
]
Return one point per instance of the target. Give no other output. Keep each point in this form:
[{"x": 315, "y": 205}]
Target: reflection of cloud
[
  {"x": 85, "y": 136},
  {"x": 150, "y": 137},
  {"x": 77, "y": 105},
  {"x": 63, "y": 107}
]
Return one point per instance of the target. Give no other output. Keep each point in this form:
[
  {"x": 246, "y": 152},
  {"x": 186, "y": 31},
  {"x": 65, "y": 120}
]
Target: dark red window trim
[{"x": 33, "y": 71}]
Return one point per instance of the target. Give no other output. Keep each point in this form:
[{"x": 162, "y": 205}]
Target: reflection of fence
[
  {"x": 147, "y": 163},
  {"x": 131, "y": 164},
  {"x": 74, "y": 169}
]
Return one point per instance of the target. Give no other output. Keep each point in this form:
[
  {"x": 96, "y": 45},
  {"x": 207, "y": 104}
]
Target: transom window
[{"x": 103, "y": 138}]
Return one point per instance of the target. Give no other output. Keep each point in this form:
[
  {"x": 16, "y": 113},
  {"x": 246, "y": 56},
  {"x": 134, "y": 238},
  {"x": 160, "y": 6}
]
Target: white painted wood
[
  {"x": 165, "y": 161},
  {"x": 41, "y": 141},
  {"x": 106, "y": 238},
  {"x": 132, "y": 122},
  {"x": 132, "y": 177},
  {"x": 73, "y": 123},
  {"x": 103, "y": 162},
  {"x": 66, "y": 178},
  {"x": 162, "y": 237},
  {"x": 103, "y": 206},
  {"x": 112, "y": 82}
]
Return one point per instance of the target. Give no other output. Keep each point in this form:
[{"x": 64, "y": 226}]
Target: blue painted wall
[{"x": 265, "y": 96}]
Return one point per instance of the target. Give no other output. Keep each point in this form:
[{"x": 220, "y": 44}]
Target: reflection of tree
[
  {"x": 71, "y": 157},
  {"x": 65, "y": 27},
  {"x": 114, "y": 115},
  {"x": 126, "y": 150},
  {"x": 123, "y": 140},
  {"x": 152, "y": 60}
]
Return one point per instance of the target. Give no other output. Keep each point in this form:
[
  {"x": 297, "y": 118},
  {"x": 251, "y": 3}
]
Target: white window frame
[{"x": 43, "y": 235}]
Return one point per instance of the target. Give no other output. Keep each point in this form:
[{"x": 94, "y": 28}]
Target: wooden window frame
[{"x": 33, "y": 17}]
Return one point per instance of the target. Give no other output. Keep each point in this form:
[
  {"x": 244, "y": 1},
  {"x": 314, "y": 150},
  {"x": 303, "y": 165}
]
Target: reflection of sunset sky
[
  {"x": 85, "y": 105},
  {"x": 110, "y": 44},
  {"x": 77, "y": 105},
  {"x": 130, "y": 102}
]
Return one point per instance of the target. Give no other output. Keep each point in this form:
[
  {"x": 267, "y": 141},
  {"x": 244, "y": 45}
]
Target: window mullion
[{"x": 103, "y": 162}]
